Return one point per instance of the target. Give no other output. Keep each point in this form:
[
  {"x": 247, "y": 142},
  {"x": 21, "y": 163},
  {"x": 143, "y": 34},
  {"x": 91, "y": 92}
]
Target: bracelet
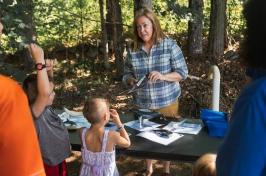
[
  {"x": 40, "y": 66},
  {"x": 120, "y": 128}
]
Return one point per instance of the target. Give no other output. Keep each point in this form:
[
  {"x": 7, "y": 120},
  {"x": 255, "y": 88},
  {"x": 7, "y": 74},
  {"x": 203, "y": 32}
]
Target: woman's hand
[
  {"x": 131, "y": 81},
  {"x": 115, "y": 117},
  {"x": 155, "y": 75}
]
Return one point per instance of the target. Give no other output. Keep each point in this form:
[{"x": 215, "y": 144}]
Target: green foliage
[
  {"x": 60, "y": 22},
  {"x": 13, "y": 18},
  {"x": 127, "y": 8},
  {"x": 235, "y": 17},
  {"x": 69, "y": 23},
  {"x": 173, "y": 15}
]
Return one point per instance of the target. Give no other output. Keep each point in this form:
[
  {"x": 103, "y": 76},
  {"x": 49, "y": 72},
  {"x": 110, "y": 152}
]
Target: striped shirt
[{"x": 165, "y": 57}]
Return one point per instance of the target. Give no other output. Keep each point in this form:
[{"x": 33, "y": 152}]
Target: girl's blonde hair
[
  {"x": 157, "y": 35},
  {"x": 95, "y": 108},
  {"x": 205, "y": 165}
]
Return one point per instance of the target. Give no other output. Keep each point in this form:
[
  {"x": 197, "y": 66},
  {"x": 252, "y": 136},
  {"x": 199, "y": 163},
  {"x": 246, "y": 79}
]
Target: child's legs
[
  {"x": 169, "y": 111},
  {"x": 149, "y": 165},
  {"x": 166, "y": 166},
  {"x": 57, "y": 170}
]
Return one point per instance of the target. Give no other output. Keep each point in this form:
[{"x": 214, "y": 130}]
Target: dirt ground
[{"x": 128, "y": 166}]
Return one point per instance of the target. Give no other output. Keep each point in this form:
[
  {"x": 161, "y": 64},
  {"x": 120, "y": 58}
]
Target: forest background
[{"x": 90, "y": 40}]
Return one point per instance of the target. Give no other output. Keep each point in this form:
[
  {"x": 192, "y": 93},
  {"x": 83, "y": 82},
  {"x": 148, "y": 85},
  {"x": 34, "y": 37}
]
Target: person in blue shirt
[
  {"x": 161, "y": 60},
  {"x": 243, "y": 152}
]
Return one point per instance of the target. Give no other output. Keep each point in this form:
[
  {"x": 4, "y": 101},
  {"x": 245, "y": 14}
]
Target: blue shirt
[
  {"x": 243, "y": 152},
  {"x": 165, "y": 57},
  {"x": 255, "y": 73}
]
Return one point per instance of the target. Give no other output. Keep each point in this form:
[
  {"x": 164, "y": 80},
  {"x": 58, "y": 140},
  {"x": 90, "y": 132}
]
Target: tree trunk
[
  {"x": 82, "y": 36},
  {"x": 226, "y": 37},
  {"x": 195, "y": 28},
  {"x": 217, "y": 29},
  {"x": 114, "y": 11},
  {"x": 138, "y": 4},
  {"x": 104, "y": 35}
]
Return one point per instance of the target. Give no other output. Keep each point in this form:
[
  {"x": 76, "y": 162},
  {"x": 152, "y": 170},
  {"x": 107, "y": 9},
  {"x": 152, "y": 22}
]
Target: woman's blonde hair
[
  {"x": 157, "y": 35},
  {"x": 205, "y": 166}
]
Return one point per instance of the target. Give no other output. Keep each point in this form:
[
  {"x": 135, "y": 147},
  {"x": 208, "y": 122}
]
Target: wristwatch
[{"x": 40, "y": 66}]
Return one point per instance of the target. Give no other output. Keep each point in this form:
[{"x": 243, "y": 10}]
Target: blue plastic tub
[
  {"x": 207, "y": 114},
  {"x": 216, "y": 128},
  {"x": 216, "y": 122}
]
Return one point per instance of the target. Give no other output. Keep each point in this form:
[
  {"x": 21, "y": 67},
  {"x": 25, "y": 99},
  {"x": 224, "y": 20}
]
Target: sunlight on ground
[
  {"x": 75, "y": 155},
  {"x": 130, "y": 166}
]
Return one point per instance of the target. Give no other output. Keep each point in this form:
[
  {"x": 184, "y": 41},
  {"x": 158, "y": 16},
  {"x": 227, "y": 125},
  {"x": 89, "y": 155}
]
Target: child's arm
[
  {"x": 43, "y": 84},
  {"x": 122, "y": 139}
]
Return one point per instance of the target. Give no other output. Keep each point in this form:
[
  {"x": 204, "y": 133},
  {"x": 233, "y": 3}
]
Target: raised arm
[
  {"x": 121, "y": 138},
  {"x": 43, "y": 85}
]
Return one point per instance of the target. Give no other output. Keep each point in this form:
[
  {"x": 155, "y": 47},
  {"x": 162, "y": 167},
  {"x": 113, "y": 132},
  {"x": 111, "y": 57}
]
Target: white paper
[
  {"x": 80, "y": 122},
  {"x": 144, "y": 110},
  {"x": 183, "y": 127},
  {"x": 150, "y": 135},
  {"x": 146, "y": 125}
]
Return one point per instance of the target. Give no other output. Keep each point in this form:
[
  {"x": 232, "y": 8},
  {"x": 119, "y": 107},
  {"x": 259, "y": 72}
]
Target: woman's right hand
[
  {"x": 131, "y": 81},
  {"x": 36, "y": 53}
]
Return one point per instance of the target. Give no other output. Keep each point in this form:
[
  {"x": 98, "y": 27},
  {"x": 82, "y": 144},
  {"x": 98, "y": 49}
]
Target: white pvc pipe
[{"x": 215, "y": 76}]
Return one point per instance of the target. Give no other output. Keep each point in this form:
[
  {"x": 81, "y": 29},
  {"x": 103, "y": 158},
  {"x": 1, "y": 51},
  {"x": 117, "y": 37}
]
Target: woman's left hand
[{"x": 155, "y": 75}]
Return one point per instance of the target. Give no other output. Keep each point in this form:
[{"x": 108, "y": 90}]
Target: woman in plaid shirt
[{"x": 162, "y": 61}]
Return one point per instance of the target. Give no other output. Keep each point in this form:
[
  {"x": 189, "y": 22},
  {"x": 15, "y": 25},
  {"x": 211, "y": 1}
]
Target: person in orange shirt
[{"x": 19, "y": 148}]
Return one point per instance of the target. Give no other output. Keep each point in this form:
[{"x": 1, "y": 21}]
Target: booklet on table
[
  {"x": 74, "y": 122},
  {"x": 186, "y": 126},
  {"x": 145, "y": 126}
]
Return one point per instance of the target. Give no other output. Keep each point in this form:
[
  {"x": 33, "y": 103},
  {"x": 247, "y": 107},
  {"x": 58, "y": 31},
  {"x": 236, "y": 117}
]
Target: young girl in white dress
[{"x": 98, "y": 144}]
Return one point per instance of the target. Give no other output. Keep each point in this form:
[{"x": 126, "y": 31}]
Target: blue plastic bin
[
  {"x": 216, "y": 122},
  {"x": 207, "y": 114},
  {"x": 216, "y": 128}
]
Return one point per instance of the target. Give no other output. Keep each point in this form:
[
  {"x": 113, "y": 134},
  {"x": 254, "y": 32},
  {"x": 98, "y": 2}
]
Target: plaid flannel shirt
[{"x": 165, "y": 57}]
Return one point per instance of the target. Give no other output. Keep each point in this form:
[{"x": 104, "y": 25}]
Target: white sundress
[{"x": 98, "y": 163}]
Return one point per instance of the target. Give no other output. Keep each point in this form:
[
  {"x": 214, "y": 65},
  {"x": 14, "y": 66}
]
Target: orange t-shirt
[{"x": 19, "y": 148}]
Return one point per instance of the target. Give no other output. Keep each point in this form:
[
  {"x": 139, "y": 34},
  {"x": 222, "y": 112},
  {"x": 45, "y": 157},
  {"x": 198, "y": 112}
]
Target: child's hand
[
  {"x": 115, "y": 117},
  {"x": 36, "y": 53},
  {"x": 49, "y": 64}
]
